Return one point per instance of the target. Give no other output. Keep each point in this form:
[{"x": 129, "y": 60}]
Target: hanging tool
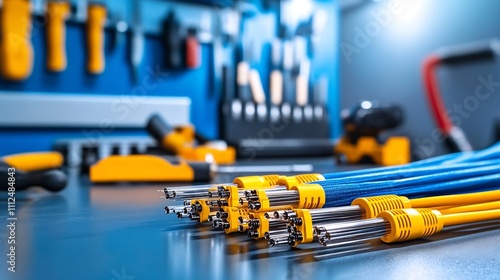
[
  {"x": 172, "y": 42},
  {"x": 58, "y": 13},
  {"x": 154, "y": 168},
  {"x": 181, "y": 142},
  {"x": 453, "y": 56},
  {"x": 363, "y": 124},
  {"x": 32, "y": 169},
  {"x": 302, "y": 83},
  {"x": 96, "y": 19},
  {"x": 193, "y": 49},
  {"x": 137, "y": 41},
  {"x": 276, "y": 79},
  {"x": 16, "y": 49}
]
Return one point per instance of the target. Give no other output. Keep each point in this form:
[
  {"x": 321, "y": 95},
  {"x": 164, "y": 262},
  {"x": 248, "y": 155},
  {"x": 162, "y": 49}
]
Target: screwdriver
[
  {"x": 32, "y": 169},
  {"x": 16, "y": 49},
  {"x": 137, "y": 41},
  {"x": 96, "y": 19},
  {"x": 58, "y": 12}
]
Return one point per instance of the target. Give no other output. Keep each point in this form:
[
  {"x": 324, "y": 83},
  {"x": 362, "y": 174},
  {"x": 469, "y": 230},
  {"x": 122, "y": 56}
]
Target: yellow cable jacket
[
  {"x": 457, "y": 199},
  {"x": 445, "y": 207},
  {"x": 470, "y": 217},
  {"x": 471, "y": 208}
]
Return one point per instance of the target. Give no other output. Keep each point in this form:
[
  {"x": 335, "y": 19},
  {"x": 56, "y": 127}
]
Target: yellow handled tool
[
  {"x": 16, "y": 49},
  {"x": 57, "y": 13},
  {"x": 96, "y": 18},
  {"x": 34, "y": 161},
  {"x": 21, "y": 171}
]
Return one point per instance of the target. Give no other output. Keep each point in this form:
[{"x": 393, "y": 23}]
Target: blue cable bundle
[
  {"x": 454, "y": 173},
  {"x": 490, "y": 153},
  {"x": 405, "y": 172}
]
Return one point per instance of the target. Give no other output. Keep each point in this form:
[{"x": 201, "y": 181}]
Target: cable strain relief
[
  {"x": 291, "y": 181},
  {"x": 409, "y": 224},
  {"x": 256, "y": 182},
  {"x": 306, "y": 228},
  {"x": 372, "y": 206},
  {"x": 233, "y": 214},
  {"x": 311, "y": 196}
]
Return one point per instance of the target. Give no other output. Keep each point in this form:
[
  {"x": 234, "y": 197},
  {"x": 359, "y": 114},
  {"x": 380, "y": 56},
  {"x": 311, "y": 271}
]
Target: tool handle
[
  {"x": 148, "y": 168},
  {"x": 34, "y": 161},
  {"x": 96, "y": 18},
  {"x": 469, "y": 52},
  {"x": 16, "y": 49},
  {"x": 52, "y": 180},
  {"x": 56, "y": 35}
]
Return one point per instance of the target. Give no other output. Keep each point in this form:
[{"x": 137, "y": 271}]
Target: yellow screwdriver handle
[
  {"x": 16, "y": 49},
  {"x": 57, "y": 13},
  {"x": 96, "y": 18}
]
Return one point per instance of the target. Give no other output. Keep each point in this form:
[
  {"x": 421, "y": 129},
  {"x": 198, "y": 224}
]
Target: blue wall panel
[{"x": 117, "y": 78}]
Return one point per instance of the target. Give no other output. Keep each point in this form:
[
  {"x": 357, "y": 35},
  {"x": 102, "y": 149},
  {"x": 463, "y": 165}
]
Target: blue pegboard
[{"x": 117, "y": 80}]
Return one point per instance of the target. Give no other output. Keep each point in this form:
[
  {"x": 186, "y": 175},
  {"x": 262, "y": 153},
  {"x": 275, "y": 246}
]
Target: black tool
[
  {"x": 52, "y": 180},
  {"x": 172, "y": 42},
  {"x": 370, "y": 118}
]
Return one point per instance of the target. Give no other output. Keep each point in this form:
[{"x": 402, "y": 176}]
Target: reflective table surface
[{"x": 120, "y": 232}]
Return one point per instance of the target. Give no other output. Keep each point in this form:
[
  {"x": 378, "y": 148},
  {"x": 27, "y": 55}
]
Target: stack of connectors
[{"x": 300, "y": 209}]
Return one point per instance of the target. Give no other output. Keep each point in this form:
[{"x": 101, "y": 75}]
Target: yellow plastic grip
[
  {"x": 311, "y": 196},
  {"x": 256, "y": 182},
  {"x": 96, "y": 18},
  {"x": 34, "y": 161},
  {"x": 264, "y": 224},
  {"x": 408, "y": 224},
  {"x": 305, "y": 228},
  {"x": 174, "y": 142},
  {"x": 205, "y": 209},
  {"x": 372, "y": 206},
  {"x": 291, "y": 181},
  {"x": 57, "y": 13},
  {"x": 233, "y": 213},
  {"x": 16, "y": 49}
]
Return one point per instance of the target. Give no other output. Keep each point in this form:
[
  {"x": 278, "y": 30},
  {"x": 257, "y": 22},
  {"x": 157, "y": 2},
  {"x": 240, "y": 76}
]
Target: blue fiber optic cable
[
  {"x": 408, "y": 172},
  {"x": 337, "y": 194}
]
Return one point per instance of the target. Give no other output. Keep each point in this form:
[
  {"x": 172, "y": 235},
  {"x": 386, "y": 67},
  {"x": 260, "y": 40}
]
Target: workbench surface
[{"x": 120, "y": 232}]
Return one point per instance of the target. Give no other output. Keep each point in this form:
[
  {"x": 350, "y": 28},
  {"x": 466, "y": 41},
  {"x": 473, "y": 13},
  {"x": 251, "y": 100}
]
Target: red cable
[{"x": 434, "y": 96}]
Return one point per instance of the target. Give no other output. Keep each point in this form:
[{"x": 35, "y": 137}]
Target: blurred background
[
  {"x": 94, "y": 69},
  {"x": 131, "y": 94}
]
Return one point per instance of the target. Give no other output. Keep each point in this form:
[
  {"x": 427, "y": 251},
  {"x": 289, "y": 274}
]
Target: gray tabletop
[{"x": 120, "y": 232}]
